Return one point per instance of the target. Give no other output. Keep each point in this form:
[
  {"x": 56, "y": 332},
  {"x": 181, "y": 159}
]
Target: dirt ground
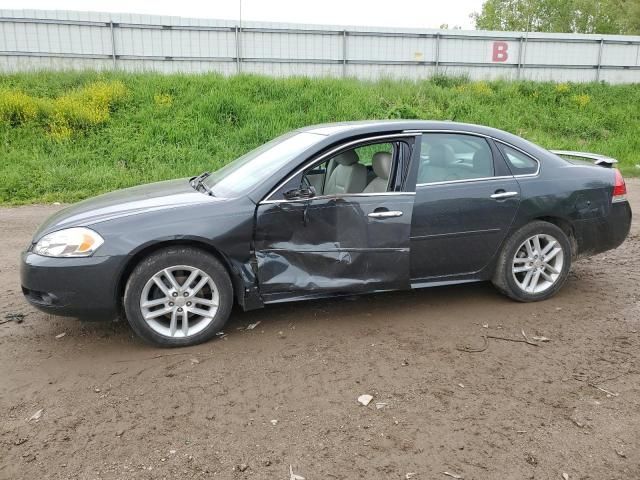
[{"x": 253, "y": 403}]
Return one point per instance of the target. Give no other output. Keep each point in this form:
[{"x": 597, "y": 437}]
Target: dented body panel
[{"x": 331, "y": 245}]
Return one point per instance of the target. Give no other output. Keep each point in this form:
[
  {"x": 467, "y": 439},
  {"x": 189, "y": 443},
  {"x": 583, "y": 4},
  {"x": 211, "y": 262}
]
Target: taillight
[{"x": 619, "y": 188}]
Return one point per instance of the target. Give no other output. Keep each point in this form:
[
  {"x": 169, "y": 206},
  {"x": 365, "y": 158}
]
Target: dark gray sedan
[{"x": 328, "y": 210}]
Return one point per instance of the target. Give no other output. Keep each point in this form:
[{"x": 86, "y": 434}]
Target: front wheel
[
  {"x": 534, "y": 262},
  {"x": 178, "y": 296}
]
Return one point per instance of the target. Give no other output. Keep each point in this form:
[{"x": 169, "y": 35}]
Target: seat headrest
[
  {"x": 347, "y": 158},
  {"x": 381, "y": 163},
  {"x": 441, "y": 155},
  {"x": 483, "y": 162}
]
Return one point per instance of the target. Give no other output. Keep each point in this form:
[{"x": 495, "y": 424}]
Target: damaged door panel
[{"x": 342, "y": 244}]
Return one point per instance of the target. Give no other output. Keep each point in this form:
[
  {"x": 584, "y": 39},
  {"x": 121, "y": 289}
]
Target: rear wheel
[
  {"x": 534, "y": 262},
  {"x": 178, "y": 296}
]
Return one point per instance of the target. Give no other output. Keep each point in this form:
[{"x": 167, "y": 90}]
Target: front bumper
[{"x": 85, "y": 288}]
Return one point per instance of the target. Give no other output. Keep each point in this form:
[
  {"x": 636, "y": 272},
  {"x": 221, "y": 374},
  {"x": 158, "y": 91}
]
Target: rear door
[
  {"x": 466, "y": 200},
  {"x": 310, "y": 242}
]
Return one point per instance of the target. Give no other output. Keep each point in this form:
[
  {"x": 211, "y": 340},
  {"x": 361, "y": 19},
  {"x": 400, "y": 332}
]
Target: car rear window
[{"x": 519, "y": 163}]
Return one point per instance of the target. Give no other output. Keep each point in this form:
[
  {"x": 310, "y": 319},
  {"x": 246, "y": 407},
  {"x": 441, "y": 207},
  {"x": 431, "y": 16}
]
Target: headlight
[{"x": 71, "y": 242}]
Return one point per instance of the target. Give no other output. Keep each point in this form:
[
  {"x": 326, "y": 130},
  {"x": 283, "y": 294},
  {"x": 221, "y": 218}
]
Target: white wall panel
[
  {"x": 388, "y": 48},
  {"x": 471, "y": 50},
  {"x": 51, "y": 39},
  {"x": 561, "y": 53}
]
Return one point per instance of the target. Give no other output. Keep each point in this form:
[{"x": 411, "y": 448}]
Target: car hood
[{"x": 125, "y": 202}]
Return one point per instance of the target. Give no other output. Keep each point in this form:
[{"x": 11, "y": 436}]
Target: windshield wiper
[{"x": 198, "y": 183}]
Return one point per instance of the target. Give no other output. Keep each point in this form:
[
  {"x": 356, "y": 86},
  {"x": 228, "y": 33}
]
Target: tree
[{"x": 577, "y": 16}]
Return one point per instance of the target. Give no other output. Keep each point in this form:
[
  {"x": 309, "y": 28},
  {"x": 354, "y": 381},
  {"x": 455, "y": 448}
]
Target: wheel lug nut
[
  {"x": 171, "y": 304},
  {"x": 186, "y": 294},
  {"x": 179, "y": 309},
  {"x": 174, "y": 294},
  {"x": 188, "y": 304}
]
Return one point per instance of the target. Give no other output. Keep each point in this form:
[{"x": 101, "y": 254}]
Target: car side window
[
  {"x": 362, "y": 169},
  {"x": 519, "y": 163},
  {"x": 454, "y": 156}
]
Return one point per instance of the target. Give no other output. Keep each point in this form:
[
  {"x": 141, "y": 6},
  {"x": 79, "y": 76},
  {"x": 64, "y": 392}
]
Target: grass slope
[{"x": 168, "y": 126}]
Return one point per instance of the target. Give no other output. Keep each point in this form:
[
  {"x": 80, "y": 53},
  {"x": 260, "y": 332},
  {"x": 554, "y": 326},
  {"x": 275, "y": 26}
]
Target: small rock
[
  {"x": 405, "y": 363},
  {"x": 620, "y": 453},
  {"x": 266, "y": 462},
  {"x": 194, "y": 361},
  {"x": 565, "y": 476},
  {"x": 365, "y": 399},
  {"x": 380, "y": 405},
  {"x": 461, "y": 385},
  {"x": 410, "y": 475},
  {"x": 60, "y": 335},
  {"x": 251, "y": 326},
  {"x": 274, "y": 422},
  {"x": 541, "y": 339},
  {"x": 485, "y": 325},
  {"x": 97, "y": 390},
  {"x": 29, "y": 457},
  {"x": 20, "y": 441},
  {"x": 172, "y": 452},
  {"x": 36, "y": 416},
  {"x": 453, "y": 475},
  {"x": 119, "y": 433},
  {"x": 243, "y": 467}
]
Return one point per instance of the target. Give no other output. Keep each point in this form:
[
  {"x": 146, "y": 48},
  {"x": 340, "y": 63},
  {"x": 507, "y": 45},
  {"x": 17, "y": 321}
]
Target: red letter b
[{"x": 500, "y": 52}]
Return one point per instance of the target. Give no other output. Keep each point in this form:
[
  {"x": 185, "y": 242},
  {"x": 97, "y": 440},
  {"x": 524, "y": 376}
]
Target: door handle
[
  {"x": 385, "y": 214},
  {"x": 501, "y": 195}
]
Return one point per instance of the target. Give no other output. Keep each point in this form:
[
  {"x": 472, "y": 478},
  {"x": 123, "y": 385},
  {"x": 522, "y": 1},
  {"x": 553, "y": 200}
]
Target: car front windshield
[{"x": 253, "y": 168}]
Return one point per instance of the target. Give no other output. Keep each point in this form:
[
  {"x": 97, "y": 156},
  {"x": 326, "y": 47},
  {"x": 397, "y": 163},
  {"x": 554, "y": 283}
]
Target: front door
[
  {"x": 466, "y": 200},
  {"x": 340, "y": 225}
]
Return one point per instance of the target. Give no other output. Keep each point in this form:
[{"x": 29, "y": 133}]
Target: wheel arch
[
  {"x": 566, "y": 226},
  {"x": 144, "y": 251}
]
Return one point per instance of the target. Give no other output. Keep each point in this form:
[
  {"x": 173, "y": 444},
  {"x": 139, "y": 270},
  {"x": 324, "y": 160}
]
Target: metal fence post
[
  {"x": 344, "y": 53},
  {"x": 599, "y": 59},
  {"x": 520, "y": 57},
  {"x": 437, "y": 54},
  {"x": 113, "y": 45},
  {"x": 237, "y": 30}
]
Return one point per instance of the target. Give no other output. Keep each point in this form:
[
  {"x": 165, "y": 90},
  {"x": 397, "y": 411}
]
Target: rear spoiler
[{"x": 600, "y": 160}]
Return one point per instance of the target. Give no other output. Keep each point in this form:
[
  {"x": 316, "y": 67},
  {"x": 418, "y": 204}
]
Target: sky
[{"x": 397, "y": 13}]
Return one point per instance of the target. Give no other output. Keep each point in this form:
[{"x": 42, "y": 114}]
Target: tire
[
  {"x": 516, "y": 260},
  {"x": 157, "y": 314}
]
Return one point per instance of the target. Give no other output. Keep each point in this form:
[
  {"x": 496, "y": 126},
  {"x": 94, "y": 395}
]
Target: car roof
[
  {"x": 370, "y": 126},
  {"x": 342, "y": 130}
]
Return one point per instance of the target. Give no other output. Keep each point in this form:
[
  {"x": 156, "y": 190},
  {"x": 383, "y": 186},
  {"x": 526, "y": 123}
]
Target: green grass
[{"x": 178, "y": 125}]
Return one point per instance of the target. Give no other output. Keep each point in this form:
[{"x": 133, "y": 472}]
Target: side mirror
[{"x": 300, "y": 193}]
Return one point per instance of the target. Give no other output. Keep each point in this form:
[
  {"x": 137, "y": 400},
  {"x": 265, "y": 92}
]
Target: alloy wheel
[
  {"x": 179, "y": 301},
  {"x": 538, "y": 263}
]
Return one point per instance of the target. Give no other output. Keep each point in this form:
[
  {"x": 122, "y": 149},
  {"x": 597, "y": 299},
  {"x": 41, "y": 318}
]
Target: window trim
[{"x": 328, "y": 154}]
